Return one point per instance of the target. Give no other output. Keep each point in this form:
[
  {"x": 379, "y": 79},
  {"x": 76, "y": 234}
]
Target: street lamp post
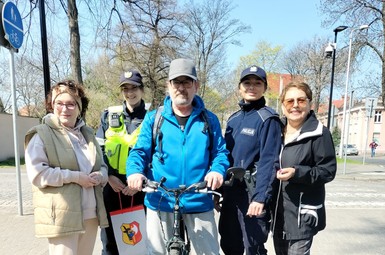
[
  {"x": 347, "y": 127},
  {"x": 344, "y": 138},
  {"x": 44, "y": 48},
  {"x": 336, "y": 30}
]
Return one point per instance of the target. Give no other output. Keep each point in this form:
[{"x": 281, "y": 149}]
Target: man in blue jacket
[
  {"x": 182, "y": 153},
  {"x": 253, "y": 137}
]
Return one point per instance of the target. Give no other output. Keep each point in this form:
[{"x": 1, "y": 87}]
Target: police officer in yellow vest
[{"x": 117, "y": 133}]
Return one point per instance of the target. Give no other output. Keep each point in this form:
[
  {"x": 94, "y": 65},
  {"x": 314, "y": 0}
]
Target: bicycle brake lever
[
  {"x": 150, "y": 186},
  {"x": 198, "y": 186},
  {"x": 207, "y": 191},
  {"x": 215, "y": 193},
  {"x": 149, "y": 189}
]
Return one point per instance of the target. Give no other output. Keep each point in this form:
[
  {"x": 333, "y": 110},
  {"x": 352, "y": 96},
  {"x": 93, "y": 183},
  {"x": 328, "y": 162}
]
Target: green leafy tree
[{"x": 336, "y": 135}]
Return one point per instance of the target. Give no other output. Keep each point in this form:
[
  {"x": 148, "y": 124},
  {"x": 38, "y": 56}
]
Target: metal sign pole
[
  {"x": 15, "y": 137},
  {"x": 12, "y": 26},
  {"x": 371, "y": 102}
]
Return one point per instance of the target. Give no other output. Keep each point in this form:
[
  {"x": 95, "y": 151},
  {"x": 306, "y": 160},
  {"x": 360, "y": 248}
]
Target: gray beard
[{"x": 181, "y": 101}]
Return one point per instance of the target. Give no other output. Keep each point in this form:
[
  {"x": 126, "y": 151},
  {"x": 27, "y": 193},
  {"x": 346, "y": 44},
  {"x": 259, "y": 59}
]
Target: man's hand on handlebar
[
  {"x": 134, "y": 184},
  {"x": 214, "y": 180}
]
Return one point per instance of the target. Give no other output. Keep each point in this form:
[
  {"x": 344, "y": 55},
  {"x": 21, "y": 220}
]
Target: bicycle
[{"x": 177, "y": 245}]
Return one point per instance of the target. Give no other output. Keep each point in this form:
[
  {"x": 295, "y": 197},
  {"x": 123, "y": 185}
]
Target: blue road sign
[{"x": 13, "y": 25}]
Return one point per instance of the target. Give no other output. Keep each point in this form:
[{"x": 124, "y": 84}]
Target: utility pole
[{"x": 44, "y": 49}]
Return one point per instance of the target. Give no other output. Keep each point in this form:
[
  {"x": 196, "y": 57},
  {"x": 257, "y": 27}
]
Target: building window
[{"x": 377, "y": 116}]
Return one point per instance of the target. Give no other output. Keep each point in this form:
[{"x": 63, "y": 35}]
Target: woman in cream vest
[{"x": 64, "y": 164}]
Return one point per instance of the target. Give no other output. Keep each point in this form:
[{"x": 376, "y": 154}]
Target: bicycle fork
[{"x": 176, "y": 245}]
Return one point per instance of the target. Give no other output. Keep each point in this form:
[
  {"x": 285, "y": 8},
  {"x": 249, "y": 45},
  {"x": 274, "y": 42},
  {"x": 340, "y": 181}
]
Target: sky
[
  {"x": 280, "y": 22},
  {"x": 287, "y": 23}
]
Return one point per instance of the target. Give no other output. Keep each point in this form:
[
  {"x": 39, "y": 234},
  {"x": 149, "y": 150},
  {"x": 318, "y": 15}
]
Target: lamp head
[
  {"x": 340, "y": 28},
  {"x": 362, "y": 27}
]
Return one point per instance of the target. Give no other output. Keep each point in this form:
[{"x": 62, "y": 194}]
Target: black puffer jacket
[{"x": 300, "y": 202}]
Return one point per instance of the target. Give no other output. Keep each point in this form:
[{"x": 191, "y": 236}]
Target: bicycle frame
[{"x": 176, "y": 245}]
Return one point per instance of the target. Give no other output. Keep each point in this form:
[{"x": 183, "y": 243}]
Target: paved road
[{"x": 355, "y": 214}]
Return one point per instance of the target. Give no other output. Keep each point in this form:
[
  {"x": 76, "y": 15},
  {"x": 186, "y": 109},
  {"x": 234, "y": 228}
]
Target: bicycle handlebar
[
  {"x": 199, "y": 187},
  {"x": 234, "y": 173}
]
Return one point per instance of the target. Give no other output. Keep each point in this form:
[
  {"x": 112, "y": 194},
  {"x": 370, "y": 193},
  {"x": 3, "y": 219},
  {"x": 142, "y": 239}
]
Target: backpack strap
[
  {"x": 157, "y": 134},
  {"x": 207, "y": 128},
  {"x": 158, "y": 121}
]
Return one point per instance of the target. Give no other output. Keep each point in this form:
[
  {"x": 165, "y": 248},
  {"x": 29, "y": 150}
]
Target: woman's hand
[
  {"x": 256, "y": 209},
  {"x": 87, "y": 181},
  {"x": 116, "y": 184},
  {"x": 285, "y": 174}
]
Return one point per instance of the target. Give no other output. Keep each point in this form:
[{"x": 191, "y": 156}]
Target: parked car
[{"x": 351, "y": 149}]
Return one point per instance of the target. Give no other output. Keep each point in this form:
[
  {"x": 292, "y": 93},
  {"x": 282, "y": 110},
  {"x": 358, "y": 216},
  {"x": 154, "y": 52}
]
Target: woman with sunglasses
[
  {"x": 307, "y": 162},
  {"x": 64, "y": 164}
]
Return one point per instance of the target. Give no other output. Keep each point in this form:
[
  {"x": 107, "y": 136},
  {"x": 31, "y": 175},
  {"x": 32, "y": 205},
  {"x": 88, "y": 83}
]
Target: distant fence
[{"x": 7, "y": 148}]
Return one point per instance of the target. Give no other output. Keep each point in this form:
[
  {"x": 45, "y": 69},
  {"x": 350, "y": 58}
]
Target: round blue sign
[{"x": 13, "y": 25}]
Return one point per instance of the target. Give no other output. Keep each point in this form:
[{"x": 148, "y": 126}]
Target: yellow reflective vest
[{"x": 118, "y": 142}]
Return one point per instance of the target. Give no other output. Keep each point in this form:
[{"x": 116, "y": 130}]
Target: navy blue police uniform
[{"x": 253, "y": 137}]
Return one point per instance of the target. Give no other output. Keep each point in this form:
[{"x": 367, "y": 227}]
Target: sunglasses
[{"x": 301, "y": 102}]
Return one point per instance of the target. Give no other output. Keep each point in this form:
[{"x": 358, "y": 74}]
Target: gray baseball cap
[{"x": 182, "y": 67}]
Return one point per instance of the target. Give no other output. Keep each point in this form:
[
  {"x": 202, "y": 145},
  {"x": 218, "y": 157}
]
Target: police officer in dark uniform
[
  {"x": 253, "y": 137},
  {"x": 131, "y": 115}
]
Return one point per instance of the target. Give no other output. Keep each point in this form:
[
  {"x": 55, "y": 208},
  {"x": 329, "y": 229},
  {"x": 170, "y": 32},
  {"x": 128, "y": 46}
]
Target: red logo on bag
[{"x": 131, "y": 233}]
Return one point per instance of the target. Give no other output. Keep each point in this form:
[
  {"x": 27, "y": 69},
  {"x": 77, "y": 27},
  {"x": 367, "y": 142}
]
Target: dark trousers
[
  {"x": 292, "y": 247},
  {"x": 241, "y": 234},
  {"x": 112, "y": 203}
]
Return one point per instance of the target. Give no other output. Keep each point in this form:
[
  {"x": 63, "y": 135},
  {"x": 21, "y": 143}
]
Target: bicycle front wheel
[{"x": 176, "y": 248}]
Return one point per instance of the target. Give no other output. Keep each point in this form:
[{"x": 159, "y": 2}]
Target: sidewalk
[
  {"x": 17, "y": 235},
  {"x": 373, "y": 169}
]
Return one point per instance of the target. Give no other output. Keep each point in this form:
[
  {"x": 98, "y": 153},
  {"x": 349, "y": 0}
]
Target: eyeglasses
[
  {"x": 187, "y": 83},
  {"x": 301, "y": 102},
  {"x": 69, "y": 106}
]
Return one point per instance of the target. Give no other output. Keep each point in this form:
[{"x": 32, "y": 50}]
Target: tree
[
  {"x": 210, "y": 30},
  {"x": 72, "y": 14},
  {"x": 71, "y": 11},
  {"x": 336, "y": 135},
  {"x": 268, "y": 57},
  {"x": 265, "y": 55},
  {"x": 150, "y": 44},
  {"x": 355, "y": 13},
  {"x": 307, "y": 60}
]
